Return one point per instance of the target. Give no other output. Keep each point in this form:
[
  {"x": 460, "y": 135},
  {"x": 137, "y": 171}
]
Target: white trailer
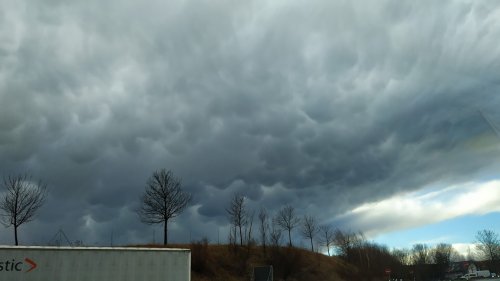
[
  {"x": 476, "y": 274},
  {"x": 483, "y": 273},
  {"x": 94, "y": 264}
]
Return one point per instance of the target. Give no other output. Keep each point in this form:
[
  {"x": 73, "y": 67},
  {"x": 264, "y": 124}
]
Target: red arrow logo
[{"x": 32, "y": 264}]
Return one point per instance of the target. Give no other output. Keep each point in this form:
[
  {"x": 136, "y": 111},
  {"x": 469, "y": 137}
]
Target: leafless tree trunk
[
  {"x": 309, "y": 229},
  {"x": 287, "y": 220},
  {"x": 264, "y": 227},
  {"x": 237, "y": 214},
  {"x": 249, "y": 223},
  {"x": 21, "y": 201},
  {"x": 163, "y": 200},
  {"x": 326, "y": 236},
  {"x": 232, "y": 234},
  {"x": 232, "y": 237},
  {"x": 275, "y": 235}
]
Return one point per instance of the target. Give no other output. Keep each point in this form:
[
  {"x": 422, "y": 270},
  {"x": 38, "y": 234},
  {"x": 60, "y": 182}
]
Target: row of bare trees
[
  {"x": 286, "y": 220},
  {"x": 421, "y": 261},
  {"x": 442, "y": 253},
  {"x": 487, "y": 248}
]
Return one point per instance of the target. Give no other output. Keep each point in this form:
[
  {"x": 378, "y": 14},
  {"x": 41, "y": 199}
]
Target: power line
[{"x": 492, "y": 125}]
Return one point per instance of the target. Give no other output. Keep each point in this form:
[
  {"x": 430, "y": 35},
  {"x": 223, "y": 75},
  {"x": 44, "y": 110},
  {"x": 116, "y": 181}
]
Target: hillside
[{"x": 229, "y": 263}]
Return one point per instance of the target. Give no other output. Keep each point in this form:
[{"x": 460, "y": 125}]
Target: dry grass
[{"x": 229, "y": 263}]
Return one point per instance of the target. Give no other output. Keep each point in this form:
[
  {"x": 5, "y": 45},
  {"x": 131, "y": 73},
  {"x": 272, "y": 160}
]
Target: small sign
[{"x": 387, "y": 271}]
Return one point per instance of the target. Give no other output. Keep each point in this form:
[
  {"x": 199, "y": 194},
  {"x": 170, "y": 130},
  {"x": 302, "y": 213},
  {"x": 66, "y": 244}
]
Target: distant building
[{"x": 458, "y": 269}]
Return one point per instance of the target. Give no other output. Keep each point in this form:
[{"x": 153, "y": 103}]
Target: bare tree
[
  {"x": 287, "y": 220},
  {"x": 326, "y": 236},
  {"x": 264, "y": 227},
  {"x": 488, "y": 244},
  {"x": 238, "y": 214},
  {"x": 248, "y": 228},
  {"x": 420, "y": 254},
  {"x": 441, "y": 256},
  {"x": 347, "y": 242},
  {"x": 309, "y": 229},
  {"x": 471, "y": 255},
  {"x": 21, "y": 200},
  {"x": 275, "y": 235},
  {"x": 403, "y": 256},
  {"x": 163, "y": 199},
  {"x": 232, "y": 235},
  {"x": 344, "y": 241}
]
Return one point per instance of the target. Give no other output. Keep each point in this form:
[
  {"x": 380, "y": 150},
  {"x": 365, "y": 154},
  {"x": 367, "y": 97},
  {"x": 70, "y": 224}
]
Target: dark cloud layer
[{"x": 324, "y": 105}]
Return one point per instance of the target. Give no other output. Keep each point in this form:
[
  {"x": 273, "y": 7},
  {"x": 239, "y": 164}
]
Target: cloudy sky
[{"x": 378, "y": 116}]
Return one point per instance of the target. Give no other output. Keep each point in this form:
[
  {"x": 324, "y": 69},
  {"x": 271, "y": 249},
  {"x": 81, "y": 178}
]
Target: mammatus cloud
[{"x": 326, "y": 105}]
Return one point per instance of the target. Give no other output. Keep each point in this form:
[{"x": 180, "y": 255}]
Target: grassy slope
[{"x": 224, "y": 263}]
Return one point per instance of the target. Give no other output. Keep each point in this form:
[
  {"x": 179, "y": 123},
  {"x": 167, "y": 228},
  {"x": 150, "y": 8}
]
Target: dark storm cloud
[{"x": 324, "y": 105}]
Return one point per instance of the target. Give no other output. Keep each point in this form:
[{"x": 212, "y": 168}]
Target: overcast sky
[{"x": 369, "y": 115}]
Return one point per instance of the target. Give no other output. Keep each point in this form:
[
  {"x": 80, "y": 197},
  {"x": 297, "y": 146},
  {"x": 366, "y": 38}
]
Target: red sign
[
  {"x": 32, "y": 264},
  {"x": 387, "y": 271}
]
